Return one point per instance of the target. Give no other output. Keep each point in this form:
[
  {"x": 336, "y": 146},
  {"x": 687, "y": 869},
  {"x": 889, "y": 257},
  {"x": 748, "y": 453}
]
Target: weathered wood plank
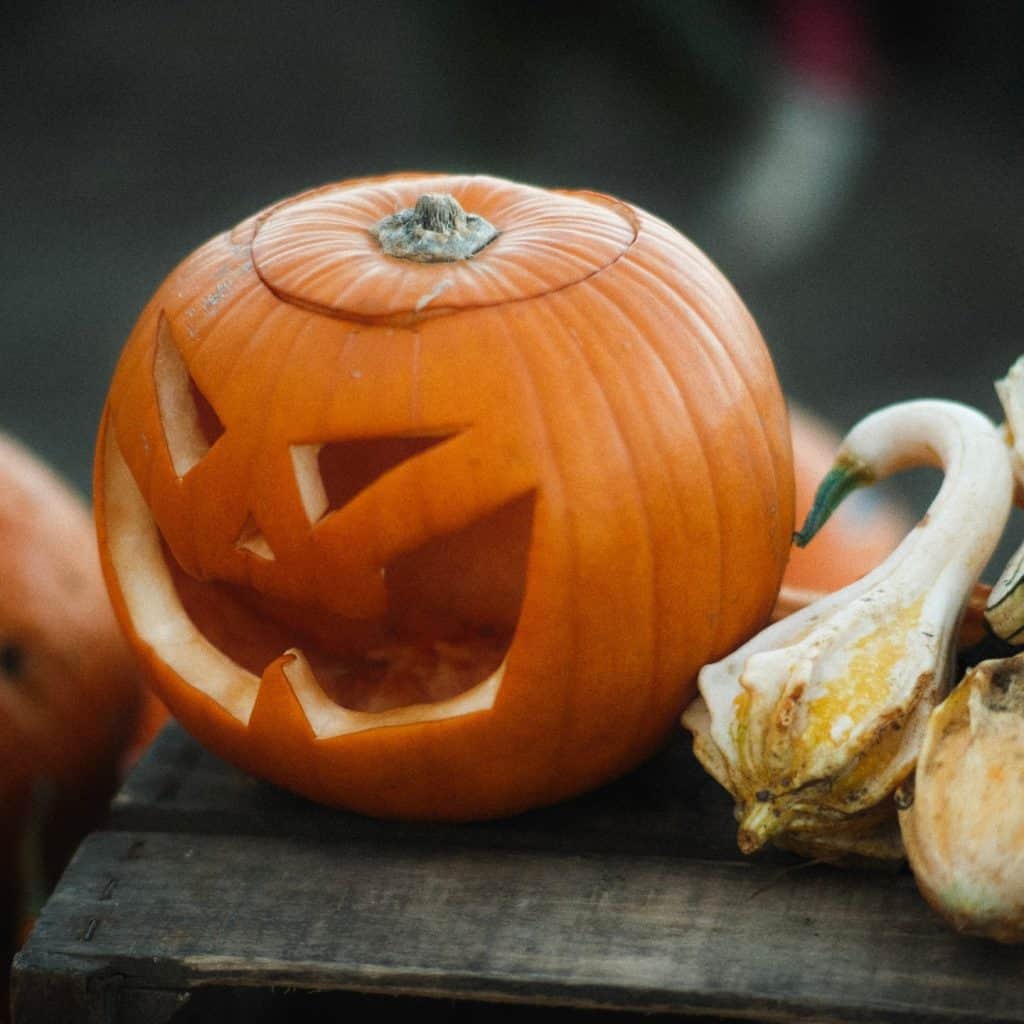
[
  {"x": 54, "y": 987},
  {"x": 669, "y": 805},
  {"x": 653, "y": 933}
]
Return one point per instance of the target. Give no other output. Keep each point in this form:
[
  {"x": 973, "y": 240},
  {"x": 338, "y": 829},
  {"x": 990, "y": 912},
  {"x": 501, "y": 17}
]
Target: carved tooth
[
  {"x": 251, "y": 539},
  {"x": 328, "y": 719}
]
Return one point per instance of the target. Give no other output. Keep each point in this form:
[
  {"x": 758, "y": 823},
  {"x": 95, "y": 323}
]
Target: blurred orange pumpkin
[
  {"x": 69, "y": 694},
  {"x": 69, "y": 691},
  {"x": 432, "y": 517}
]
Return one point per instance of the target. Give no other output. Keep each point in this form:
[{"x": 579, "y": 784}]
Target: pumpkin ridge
[
  {"x": 706, "y": 337},
  {"x": 573, "y": 695},
  {"x": 748, "y": 454},
  {"x": 554, "y": 475},
  {"x": 741, "y": 371},
  {"x": 647, "y": 338},
  {"x": 758, "y": 425},
  {"x": 652, "y": 575}
]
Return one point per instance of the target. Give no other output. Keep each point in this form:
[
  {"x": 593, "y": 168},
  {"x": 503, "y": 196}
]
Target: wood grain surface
[{"x": 624, "y": 900}]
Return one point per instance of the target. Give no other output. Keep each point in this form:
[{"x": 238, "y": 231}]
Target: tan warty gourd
[
  {"x": 963, "y": 821},
  {"x": 963, "y": 816}
]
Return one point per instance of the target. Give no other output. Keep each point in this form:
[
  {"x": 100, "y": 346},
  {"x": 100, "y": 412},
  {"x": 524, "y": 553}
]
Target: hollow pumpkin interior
[{"x": 453, "y": 605}]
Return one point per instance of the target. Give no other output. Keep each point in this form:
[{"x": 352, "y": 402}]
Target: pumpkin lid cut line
[{"x": 321, "y": 251}]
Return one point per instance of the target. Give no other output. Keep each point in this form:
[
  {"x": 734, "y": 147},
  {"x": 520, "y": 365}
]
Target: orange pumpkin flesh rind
[{"x": 634, "y": 416}]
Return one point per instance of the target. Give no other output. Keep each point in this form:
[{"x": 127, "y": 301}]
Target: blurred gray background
[{"x": 857, "y": 169}]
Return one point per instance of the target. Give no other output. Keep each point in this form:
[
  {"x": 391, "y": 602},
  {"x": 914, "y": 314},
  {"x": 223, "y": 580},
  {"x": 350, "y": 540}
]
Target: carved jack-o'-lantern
[{"x": 437, "y": 514}]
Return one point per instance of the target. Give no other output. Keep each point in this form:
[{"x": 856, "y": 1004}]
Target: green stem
[{"x": 845, "y": 476}]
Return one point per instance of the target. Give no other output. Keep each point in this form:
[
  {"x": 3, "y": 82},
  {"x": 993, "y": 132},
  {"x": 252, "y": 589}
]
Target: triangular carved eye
[
  {"x": 191, "y": 426},
  {"x": 331, "y": 474},
  {"x": 251, "y": 539}
]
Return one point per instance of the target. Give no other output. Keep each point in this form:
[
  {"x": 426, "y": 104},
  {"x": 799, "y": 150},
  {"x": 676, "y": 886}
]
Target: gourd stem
[
  {"x": 1005, "y": 611},
  {"x": 435, "y": 230},
  {"x": 844, "y": 477},
  {"x": 757, "y": 828}
]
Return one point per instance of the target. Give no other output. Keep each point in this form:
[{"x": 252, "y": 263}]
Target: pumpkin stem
[{"x": 435, "y": 230}]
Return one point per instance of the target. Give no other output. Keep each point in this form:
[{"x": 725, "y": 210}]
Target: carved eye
[
  {"x": 330, "y": 474},
  {"x": 191, "y": 425}
]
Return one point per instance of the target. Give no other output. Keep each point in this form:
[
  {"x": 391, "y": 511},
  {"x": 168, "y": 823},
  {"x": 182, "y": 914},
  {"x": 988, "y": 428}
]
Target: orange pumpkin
[
  {"x": 435, "y": 514},
  {"x": 69, "y": 693},
  {"x": 857, "y": 537}
]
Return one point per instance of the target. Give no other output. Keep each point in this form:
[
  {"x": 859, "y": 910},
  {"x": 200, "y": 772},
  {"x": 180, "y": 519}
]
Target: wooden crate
[{"x": 211, "y": 895}]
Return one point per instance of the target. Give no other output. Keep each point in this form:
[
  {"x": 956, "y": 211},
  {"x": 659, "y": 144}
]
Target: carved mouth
[{"x": 420, "y": 662}]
